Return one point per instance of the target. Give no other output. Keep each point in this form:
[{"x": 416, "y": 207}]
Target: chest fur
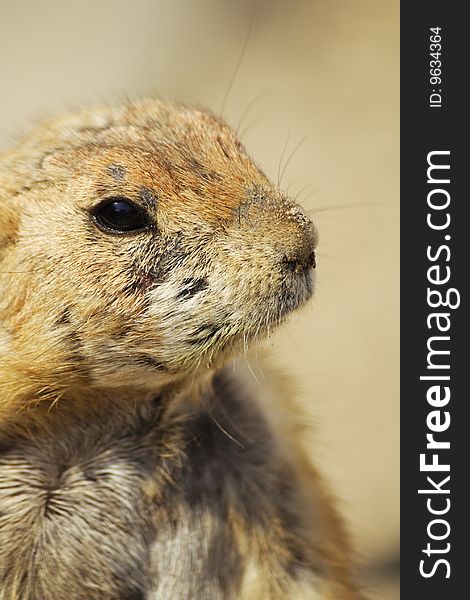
[
  {"x": 73, "y": 524},
  {"x": 180, "y": 512}
]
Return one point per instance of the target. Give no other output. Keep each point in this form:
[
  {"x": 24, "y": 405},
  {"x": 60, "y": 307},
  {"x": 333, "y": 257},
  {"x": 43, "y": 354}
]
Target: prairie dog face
[{"x": 142, "y": 242}]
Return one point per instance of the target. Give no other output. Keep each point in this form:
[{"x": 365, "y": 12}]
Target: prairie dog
[{"x": 141, "y": 249}]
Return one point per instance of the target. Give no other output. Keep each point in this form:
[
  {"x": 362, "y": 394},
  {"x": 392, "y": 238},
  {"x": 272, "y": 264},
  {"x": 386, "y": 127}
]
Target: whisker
[
  {"x": 251, "y": 370},
  {"x": 288, "y": 186},
  {"x": 312, "y": 193},
  {"x": 248, "y": 107},
  {"x": 226, "y": 432},
  {"x": 292, "y": 155},
  {"x": 319, "y": 209},
  {"x": 304, "y": 188},
  {"x": 237, "y": 67},
  {"x": 251, "y": 124},
  {"x": 280, "y": 161},
  {"x": 209, "y": 407}
]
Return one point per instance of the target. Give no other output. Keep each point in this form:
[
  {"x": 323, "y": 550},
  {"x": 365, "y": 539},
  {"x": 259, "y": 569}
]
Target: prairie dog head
[{"x": 140, "y": 243}]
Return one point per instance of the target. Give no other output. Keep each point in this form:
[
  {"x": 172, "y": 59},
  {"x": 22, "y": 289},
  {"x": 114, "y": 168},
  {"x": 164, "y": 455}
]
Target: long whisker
[
  {"x": 303, "y": 189},
  {"x": 291, "y": 156},
  {"x": 226, "y": 432},
  {"x": 280, "y": 161},
  {"x": 319, "y": 209},
  {"x": 251, "y": 370},
  {"x": 237, "y": 67},
  {"x": 251, "y": 124},
  {"x": 248, "y": 107}
]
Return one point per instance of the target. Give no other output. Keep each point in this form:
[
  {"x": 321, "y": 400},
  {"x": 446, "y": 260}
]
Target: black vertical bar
[{"x": 430, "y": 124}]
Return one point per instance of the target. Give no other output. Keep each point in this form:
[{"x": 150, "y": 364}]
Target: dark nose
[{"x": 298, "y": 246}]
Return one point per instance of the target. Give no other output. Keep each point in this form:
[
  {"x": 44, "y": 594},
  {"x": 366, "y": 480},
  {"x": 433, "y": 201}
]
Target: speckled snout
[
  {"x": 298, "y": 250},
  {"x": 282, "y": 225}
]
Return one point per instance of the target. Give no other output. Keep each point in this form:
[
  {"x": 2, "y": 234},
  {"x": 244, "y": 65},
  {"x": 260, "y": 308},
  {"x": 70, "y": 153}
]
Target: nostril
[{"x": 311, "y": 261}]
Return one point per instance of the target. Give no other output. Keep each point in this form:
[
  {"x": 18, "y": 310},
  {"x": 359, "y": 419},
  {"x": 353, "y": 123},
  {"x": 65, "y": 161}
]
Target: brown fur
[{"x": 133, "y": 464}]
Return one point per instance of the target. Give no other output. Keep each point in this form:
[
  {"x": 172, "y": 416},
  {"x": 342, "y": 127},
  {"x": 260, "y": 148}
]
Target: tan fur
[{"x": 133, "y": 463}]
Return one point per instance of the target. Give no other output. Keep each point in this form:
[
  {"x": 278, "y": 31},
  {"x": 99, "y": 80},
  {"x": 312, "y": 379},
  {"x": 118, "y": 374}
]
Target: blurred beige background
[{"x": 327, "y": 69}]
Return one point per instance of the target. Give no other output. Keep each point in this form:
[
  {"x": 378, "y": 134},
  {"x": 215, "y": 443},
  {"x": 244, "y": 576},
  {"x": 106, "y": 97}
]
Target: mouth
[
  {"x": 230, "y": 332},
  {"x": 295, "y": 291}
]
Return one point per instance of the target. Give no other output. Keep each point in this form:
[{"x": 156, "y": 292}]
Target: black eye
[{"x": 119, "y": 214}]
